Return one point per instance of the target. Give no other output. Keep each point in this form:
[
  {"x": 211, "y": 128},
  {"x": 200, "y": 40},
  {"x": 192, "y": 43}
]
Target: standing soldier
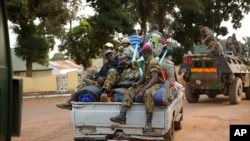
[{"x": 145, "y": 88}]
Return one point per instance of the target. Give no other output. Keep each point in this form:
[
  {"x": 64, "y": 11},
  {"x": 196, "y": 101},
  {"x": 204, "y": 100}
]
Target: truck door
[{"x": 10, "y": 89}]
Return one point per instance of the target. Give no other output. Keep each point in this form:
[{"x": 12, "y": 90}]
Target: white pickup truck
[{"x": 91, "y": 121}]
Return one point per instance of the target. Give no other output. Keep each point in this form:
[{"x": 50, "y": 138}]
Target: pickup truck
[{"x": 91, "y": 120}]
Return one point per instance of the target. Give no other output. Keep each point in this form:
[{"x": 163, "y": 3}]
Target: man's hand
[
  {"x": 134, "y": 85},
  {"x": 101, "y": 80},
  {"x": 124, "y": 63},
  {"x": 140, "y": 95}
]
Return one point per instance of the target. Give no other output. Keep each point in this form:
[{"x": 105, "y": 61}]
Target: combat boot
[
  {"x": 104, "y": 97},
  {"x": 148, "y": 126},
  {"x": 67, "y": 105},
  {"x": 121, "y": 118}
]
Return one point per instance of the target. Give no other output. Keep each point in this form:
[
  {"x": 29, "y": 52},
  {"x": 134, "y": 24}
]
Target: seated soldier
[
  {"x": 145, "y": 88},
  {"x": 127, "y": 49},
  {"x": 214, "y": 47},
  {"x": 108, "y": 73}
]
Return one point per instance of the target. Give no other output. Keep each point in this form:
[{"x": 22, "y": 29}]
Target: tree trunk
[{"x": 29, "y": 68}]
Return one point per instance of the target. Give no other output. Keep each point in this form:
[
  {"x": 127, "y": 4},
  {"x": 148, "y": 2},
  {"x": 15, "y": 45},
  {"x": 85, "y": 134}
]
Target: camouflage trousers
[
  {"x": 111, "y": 79},
  {"x": 148, "y": 97}
]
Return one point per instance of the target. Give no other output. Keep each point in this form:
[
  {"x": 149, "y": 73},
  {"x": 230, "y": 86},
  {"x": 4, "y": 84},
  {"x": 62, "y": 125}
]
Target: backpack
[{"x": 155, "y": 40}]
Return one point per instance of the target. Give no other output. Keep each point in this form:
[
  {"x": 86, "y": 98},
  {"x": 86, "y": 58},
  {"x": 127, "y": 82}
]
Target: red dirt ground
[{"x": 207, "y": 120}]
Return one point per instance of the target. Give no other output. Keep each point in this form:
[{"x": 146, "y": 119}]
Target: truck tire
[
  {"x": 191, "y": 97},
  {"x": 235, "y": 91},
  {"x": 247, "y": 93},
  {"x": 177, "y": 124},
  {"x": 170, "y": 134}
]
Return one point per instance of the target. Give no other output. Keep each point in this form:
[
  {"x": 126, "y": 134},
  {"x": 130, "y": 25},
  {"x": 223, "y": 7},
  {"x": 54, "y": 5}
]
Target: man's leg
[
  {"x": 128, "y": 99},
  {"x": 149, "y": 105},
  {"x": 67, "y": 105},
  {"x": 110, "y": 81}
]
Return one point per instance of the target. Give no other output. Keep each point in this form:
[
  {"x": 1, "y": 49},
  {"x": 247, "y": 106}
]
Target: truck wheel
[
  {"x": 235, "y": 91},
  {"x": 191, "y": 97},
  {"x": 247, "y": 93},
  {"x": 177, "y": 124},
  {"x": 170, "y": 134}
]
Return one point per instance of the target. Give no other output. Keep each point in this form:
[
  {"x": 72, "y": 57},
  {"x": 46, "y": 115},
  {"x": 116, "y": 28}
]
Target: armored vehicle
[{"x": 227, "y": 74}]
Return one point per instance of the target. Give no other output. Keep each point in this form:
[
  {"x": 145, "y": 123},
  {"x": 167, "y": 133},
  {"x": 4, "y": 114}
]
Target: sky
[
  {"x": 240, "y": 33},
  {"x": 244, "y": 31}
]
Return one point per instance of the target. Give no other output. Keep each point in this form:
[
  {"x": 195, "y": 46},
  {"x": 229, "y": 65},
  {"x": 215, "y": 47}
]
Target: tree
[
  {"x": 113, "y": 16},
  {"x": 58, "y": 56},
  {"x": 36, "y": 24},
  {"x": 185, "y": 25},
  {"x": 78, "y": 44}
]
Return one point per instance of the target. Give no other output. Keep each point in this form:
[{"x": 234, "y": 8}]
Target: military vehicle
[{"x": 227, "y": 74}]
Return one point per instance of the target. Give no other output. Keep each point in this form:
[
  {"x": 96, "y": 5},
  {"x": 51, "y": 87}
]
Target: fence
[{"x": 50, "y": 84}]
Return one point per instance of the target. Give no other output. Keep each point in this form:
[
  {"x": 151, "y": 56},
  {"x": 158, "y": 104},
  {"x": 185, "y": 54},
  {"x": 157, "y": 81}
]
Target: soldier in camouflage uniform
[
  {"x": 214, "y": 47},
  {"x": 108, "y": 74},
  {"x": 145, "y": 88},
  {"x": 205, "y": 33}
]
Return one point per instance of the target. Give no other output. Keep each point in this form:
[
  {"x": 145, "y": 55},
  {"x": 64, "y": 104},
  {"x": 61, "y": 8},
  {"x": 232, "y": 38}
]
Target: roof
[
  {"x": 64, "y": 64},
  {"x": 20, "y": 65}
]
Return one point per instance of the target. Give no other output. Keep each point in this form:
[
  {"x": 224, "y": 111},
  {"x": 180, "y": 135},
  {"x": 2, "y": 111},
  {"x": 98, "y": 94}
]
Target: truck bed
[{"x": 92, "y": 118}]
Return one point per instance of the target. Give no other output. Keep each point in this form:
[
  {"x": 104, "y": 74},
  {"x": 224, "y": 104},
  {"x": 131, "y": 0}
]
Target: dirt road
[{"x": 207, "y": 120}]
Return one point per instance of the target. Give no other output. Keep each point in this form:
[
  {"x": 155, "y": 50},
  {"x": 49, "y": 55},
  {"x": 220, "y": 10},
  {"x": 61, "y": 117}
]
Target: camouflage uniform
[
  {"x": 206, "y": 33},
  {"x": 229, "y": 45},
  {"x": 111, "y": 79},
  {"x": 215, "y": 49},
  {"x": 150, "y": 65}
]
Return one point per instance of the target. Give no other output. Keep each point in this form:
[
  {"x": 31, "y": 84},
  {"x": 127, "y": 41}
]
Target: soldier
[
  {"x": 105, "y": 77},
  {"x": 105, "y": 47},
  {"x": 234, "y": 41},
  {"x": 145, "y": 88},
  {"x": 205, "y": 33},
  {"x": 127, "y": 49},
  {"x": 214, "y": 47},
  {"x": 229, "y": 45}
]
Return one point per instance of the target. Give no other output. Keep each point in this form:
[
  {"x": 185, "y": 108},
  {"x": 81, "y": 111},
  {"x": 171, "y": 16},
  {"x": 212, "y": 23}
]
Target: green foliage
[
  {"x": 58, "y": 56},
  {"x": 78, "y": 44},
  {"x": 185, "y": 26},
  {"x": 178, "y": 53},
  {"x": 35, "y": 40}
]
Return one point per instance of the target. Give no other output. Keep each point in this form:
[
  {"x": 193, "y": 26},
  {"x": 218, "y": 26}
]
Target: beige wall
[
  {"x": 72, "y": 80},
  {"x": 35, "y": 73},
  {"x": 38, "y": 84},
  {"x": 47, "y": 83}
]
